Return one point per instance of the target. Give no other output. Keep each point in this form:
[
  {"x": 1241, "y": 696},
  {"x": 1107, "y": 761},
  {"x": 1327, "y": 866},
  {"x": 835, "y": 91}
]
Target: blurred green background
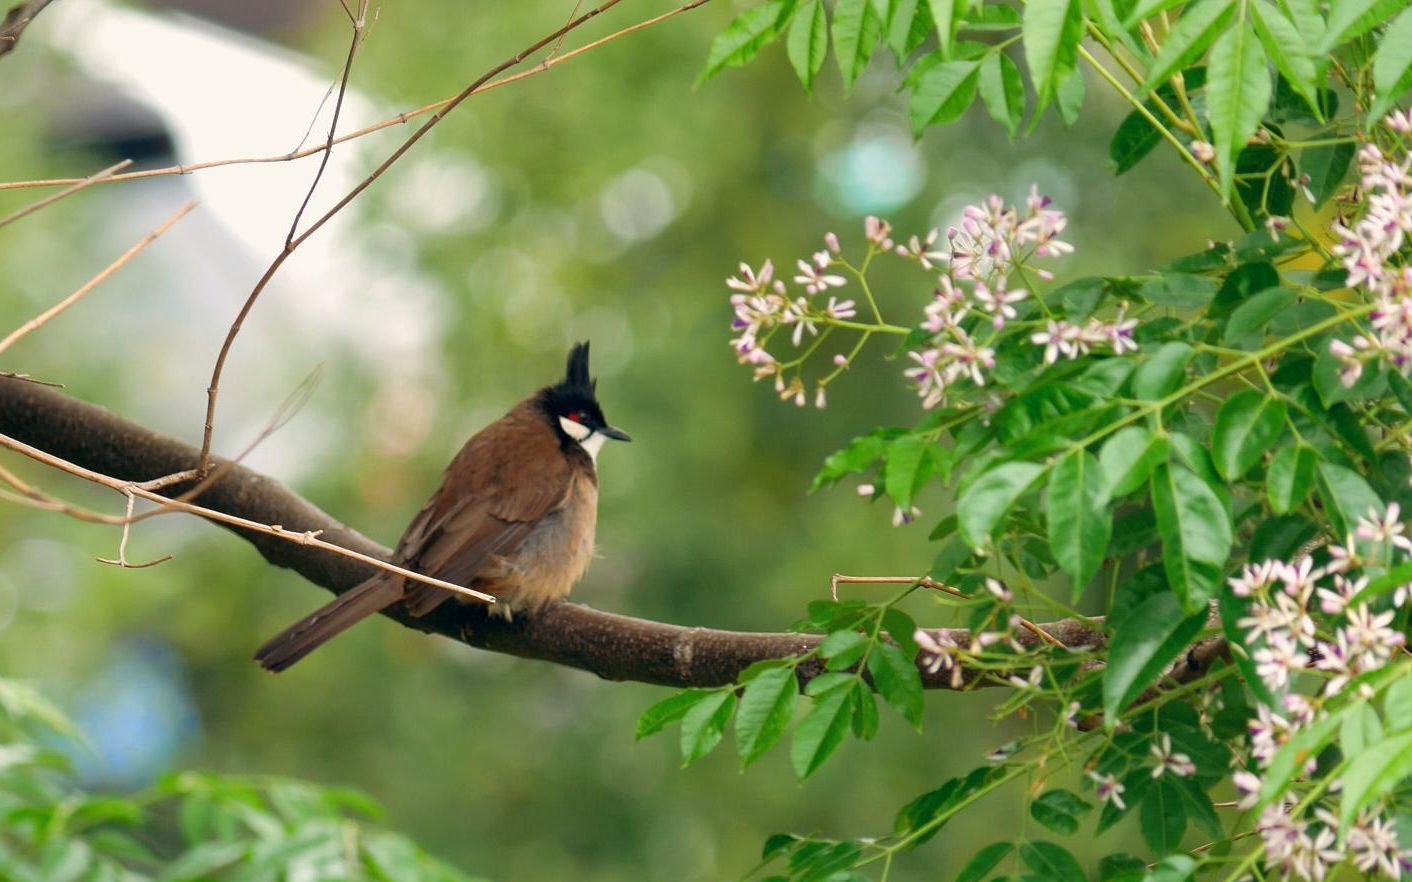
[{"x": 606, "y": 199}]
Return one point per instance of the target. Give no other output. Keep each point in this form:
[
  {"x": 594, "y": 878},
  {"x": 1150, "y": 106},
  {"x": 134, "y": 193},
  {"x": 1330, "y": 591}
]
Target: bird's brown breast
[
  {"x": 552, "y": 558},
  {"x": 515, "y": 517}
]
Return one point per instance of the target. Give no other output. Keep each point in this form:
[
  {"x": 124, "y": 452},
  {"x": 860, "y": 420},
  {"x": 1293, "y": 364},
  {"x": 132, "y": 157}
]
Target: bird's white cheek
[
  {"x": 592, "y": 444},
  {"x": 577, "y": 431}
]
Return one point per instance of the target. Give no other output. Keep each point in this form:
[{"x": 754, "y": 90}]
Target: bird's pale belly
[{"x": 552, "y": 559}]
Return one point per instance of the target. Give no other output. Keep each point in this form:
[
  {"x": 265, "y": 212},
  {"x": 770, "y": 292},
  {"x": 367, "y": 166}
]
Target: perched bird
[{"x": 514, "y": 517}]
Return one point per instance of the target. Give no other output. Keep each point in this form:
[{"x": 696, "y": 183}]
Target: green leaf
[
  {"x": 1261, "y": 183},
  {"x": 1290, "y": 759},
  {"x": 898, "y": 26},
  {"x": 1162, "y": 372},
  {"x": 946, "y": 14},
  {"x": 1080, "y": 297},
  {"x": 205, "y": 860},
  {"x": 985, "y": 501},
  {"x": 843, "y": 649},
  {"x": 1290, "y": 477},
  {"x": 1238, "y": 91},
  {"x": 1374, "y": 773},
  {"x": 704, "y": 725},
  {"x": 1326, "y": 167},
  {"x": 1197, "y": 805},
  {"x": 1127, "y": 458},
  {"x": 1179, "y": 291},
  {"x": 1135, "y": 136},
  {"x": 1199, "y": 25},
  {"x": 943, "y": 93},
  {"x": 766, "y": 707},
  {"x": 900, "y": 627},
  {"x": 669, "y": 710},
  {"x": 939, "y": 804},
  {"x": 1080, "y": 525},
  {"x": 821, "y": 731},
  {"x": 1060, "y": 810},
  {"x": 860, "y": 455},
  {"x": 1361, "y": 729},
  {"x": 1070, "y": 97},
  {"x": 1163, "y": 817},
  {"x": 818, "y": 860},
  {"x": 1003, "y": 91},
  {"x": 1244, "y": 282},
  {"x": 1397, "y": 704},
  {"x": 1247, "y": 425},
  {"x": 744, "y": 37},
  {"x": 1392, "y": 66},
  {"x": 1051, "y": 862},
  {"x": 856, "y": 31},
  {"x": 1145, "y": 9},
  {"x": 1308, "y": 18},
  {"x": 1287, "y": 49},
  {"x": 1346, "y": 496},
  {"x": 1196, "y": 534},
  {"x": 1251, "y": 316},
  {"x": 1150, "y": 637},
  {"x": 1121, "y": 867},
  {"x": 830, "y": 682},
  {"x": 865, "y": 712},
  {"x": 1103, "y": 378},
  {"x": 808, "y": 42},
  {"x": 986, "y": 860},
  {"x": 1051, "y": 33},
  {"x": 904, "y": 459},
  {"x": 898, "y": 681},
  {"x": 1173, "y": 868},
  {"x": 1350, "y": 19},
  {"x": 1132, "y": 141}
]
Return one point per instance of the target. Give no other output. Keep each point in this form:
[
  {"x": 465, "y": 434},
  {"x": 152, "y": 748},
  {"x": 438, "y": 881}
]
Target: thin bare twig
[
  {"x": 103, "y": 175},
  {"x": 44, "y": 317},
  {"x": 11, "y": 375},
  {"x": 16, "y": 20},
  {"x": 929, "y": 582},
  {"x": 559, "y": 43},
  {"x": 353, "y": 44},
  {"x": 400, "y": 119},
  {"x": 309, "y": 538},
  {"x": 213, "y": 389},
  {"x": 122, "y": 560},
  {"x": 283, "y": 414}
]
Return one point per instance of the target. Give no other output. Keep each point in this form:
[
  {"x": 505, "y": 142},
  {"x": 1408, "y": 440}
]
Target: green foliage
[
  {"x": 1244, "y": 436},
  {"x": 187, "y": 827},
  {"x": 1148, "y": 640}
]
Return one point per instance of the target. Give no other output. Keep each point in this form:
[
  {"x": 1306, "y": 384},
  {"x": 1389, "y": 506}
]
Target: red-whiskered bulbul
[{"x": 514, "y": 517}]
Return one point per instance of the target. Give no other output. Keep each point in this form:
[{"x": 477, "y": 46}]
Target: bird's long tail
[{"x": 330, "y": 620}]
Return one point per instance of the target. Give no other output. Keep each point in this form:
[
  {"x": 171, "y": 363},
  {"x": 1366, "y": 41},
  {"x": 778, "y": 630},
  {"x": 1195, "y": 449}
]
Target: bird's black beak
[{"x": 615, "y": 433}]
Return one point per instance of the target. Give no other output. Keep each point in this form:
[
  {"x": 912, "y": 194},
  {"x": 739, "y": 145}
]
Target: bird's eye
[{"x": 576, "y": 416}]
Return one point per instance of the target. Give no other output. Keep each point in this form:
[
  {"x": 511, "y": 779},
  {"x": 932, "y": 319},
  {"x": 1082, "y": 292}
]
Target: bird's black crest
[
  {"x": 576, "y": 378},
  {"x": 574, "y": 393}
]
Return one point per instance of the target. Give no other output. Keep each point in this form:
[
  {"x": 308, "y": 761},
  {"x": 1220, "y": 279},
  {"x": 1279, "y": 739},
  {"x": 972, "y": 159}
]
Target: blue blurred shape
[
  {"x": 878, "y": 171},
  {"x": 138, "y": 716}
]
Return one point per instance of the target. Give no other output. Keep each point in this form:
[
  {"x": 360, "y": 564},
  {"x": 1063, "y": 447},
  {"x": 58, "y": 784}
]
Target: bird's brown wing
[{"x": 499, "y": 486}]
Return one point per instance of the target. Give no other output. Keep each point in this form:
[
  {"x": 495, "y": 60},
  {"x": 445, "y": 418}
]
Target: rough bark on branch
[
  {"x": 612, "y": 646},
  {"x": 15, "y": 22}
]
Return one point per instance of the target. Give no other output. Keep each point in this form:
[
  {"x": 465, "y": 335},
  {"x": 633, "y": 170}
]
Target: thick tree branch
[
  {"x": 612, "y": 646},
  {"x": 15, "y": 22}
]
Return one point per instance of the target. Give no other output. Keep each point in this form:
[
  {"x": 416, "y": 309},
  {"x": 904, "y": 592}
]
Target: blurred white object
[{"x": 351, "y": 294}]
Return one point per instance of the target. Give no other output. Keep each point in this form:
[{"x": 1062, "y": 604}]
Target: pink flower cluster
[
  {"x": 1305, "y": 618},
  {"x": 1369, "y": 248},
  {"x": 1286, "y": 600},
  {"x": 763, "y": 306},
  {"x": 974, "y": 297}
]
